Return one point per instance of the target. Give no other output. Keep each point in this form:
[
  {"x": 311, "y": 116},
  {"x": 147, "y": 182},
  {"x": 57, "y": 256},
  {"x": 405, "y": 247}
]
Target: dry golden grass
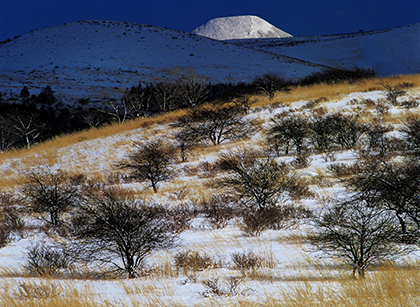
[
  {"x": 387, "y": 288},
  {"x": 46, "y": 293},
  {"x": 331, "y": 91}
]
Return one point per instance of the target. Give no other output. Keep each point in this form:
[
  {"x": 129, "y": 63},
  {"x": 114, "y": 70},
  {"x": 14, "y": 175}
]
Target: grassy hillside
[{"x": 287, "y": 274}]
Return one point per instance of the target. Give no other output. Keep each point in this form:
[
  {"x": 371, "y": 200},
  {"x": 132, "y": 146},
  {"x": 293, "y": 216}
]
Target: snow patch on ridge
[{"x": 239, "y": 27}]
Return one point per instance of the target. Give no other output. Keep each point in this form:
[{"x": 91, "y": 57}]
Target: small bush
[
  {"x": 340, "y": 170},
  {"x": 246, "y": 261},
  {"x": 270, "y": 84},
  {"x": 230, "y": 287},
  {"x": 289, "y": 132},
  {"x": 392, "y": 92},
  {"x": 10, "y": 219},
  {"x": 150, "y": 162},
  {"x": 274, "y": 217},
  {"x": 30, "y": 291},
  {"x": 46, "y": 260},
  {"x": 193, "y": 261},
  {"x": 336, "y": 130},
  {"x": 78, "y": 179},
  {"x": 410, "y": 103},
  {"x": 219, "y": 209},
  {"x": 313, "y": 103},
  {"x": 302, "y": 161},
  {"x": 182, "y": 217},
  {"x": 381, "y": 108}
]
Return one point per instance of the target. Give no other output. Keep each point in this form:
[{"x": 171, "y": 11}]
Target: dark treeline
[{"x": 28, "y": 119}]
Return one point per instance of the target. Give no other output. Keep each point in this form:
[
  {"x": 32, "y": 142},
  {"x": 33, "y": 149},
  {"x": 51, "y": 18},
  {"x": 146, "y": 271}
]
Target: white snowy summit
[{"x": 239, "y": 27}]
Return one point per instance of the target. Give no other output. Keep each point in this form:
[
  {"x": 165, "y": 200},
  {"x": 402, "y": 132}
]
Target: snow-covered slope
[
  {"x": 388, "y": 52},
  {"x": 86, "y": 59},
  {"x": 239, "y": 27}
]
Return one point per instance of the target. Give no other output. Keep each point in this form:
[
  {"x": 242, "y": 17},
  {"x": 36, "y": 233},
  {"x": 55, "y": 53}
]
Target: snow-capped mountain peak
[{"x": 239, "y": 27}]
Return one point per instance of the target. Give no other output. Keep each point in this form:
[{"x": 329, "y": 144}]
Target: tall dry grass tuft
[
  {"x": 46, "y": 293},
  {"x": 386, "y": 288}
]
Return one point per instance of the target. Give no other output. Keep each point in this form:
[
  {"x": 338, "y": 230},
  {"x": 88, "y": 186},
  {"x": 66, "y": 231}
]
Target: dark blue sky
[{"x": 297, "y": 17}]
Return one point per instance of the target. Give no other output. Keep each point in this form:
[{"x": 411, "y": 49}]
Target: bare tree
[
  {"x": 138, "y": 100},
  {"x": 390, "y": 185},
  {"x": 151, "y": 161},
  {"x": 8, "y": 137},
  {"x": 293, "y": 129},
  {"x": 411, "y": 134},
  {"x": 50, "y": 192},
  {"x": 270, "y": 84},
  {"x": 259, "y": 182},
  {"x": 166, "y": 96},
  {"x": 336, "y": 130},
  {"x": 377, "y": 137},
  {"x": 392, "y": 92},
  {"x": 117, "y": 230},
  {"x": 194, "y": 89},
  {"x": 26, "y": 126},
  {"x": 117, "y": 109},
  {"x": 244, "y": 101},
  {"x": 10, "y": 217},
  {"x": 357, "y": 233},
  {"x": 214, "y": 124}
]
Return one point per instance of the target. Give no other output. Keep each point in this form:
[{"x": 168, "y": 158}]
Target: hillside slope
[
  {"x": 388, "y": 52},
  {"x": 287, "y": 264},
  {"x": 88, "y": 58},
  {"x": 239, "y": 27}
]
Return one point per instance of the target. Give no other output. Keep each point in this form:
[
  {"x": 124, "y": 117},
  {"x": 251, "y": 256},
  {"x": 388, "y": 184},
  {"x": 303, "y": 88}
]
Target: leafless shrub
[
  {"x": 390, "y": 185},
  {"x": 301, "y": 161},
  {"x": 259, "y": 182},
  {"x": 288, "y": 132},
  {"x": 356, "y": 232},
  {"x": 382, "y": 108},
  {"x": 392, "y": 92},
  {"x": 246, "y": 261},
  {"x": 410, "y": 103},
  {"x": 194, "y": 261},
  {"x": 244, "y": 101},
  {"x": 117, "y": 231},
  {"x": 313, "y": 103},
  {"x": 219, "y": 209},
  {"x": 10, "y": 217},
  {"x": 321, "y": 181},
  {"x": 270, "y": 84},
  {"x": 213, "y": 124},
  {"x": 150, "y": 162},
  {"x": 30, "y": 291},
  {"x": 411, "y": 134},
  {"x": 46, "y": 260},
  {"x": 280, "y": 217},
  {"x": 329, "y": 156},
  {"x": 77, "y": 179},
  {"x": 368, "y": 102},
  {"x": 377, "y": 137},
  {"x": 335, "y": 130},
  {"x": 182, "y": 217},
  {"x": 210, "y": 169},
  {"x": 340, "y": 170},
  {"x": 230, "y": 287},
  {"x": 50, "y": 192},
  {"x": 179, "y": 193}
]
